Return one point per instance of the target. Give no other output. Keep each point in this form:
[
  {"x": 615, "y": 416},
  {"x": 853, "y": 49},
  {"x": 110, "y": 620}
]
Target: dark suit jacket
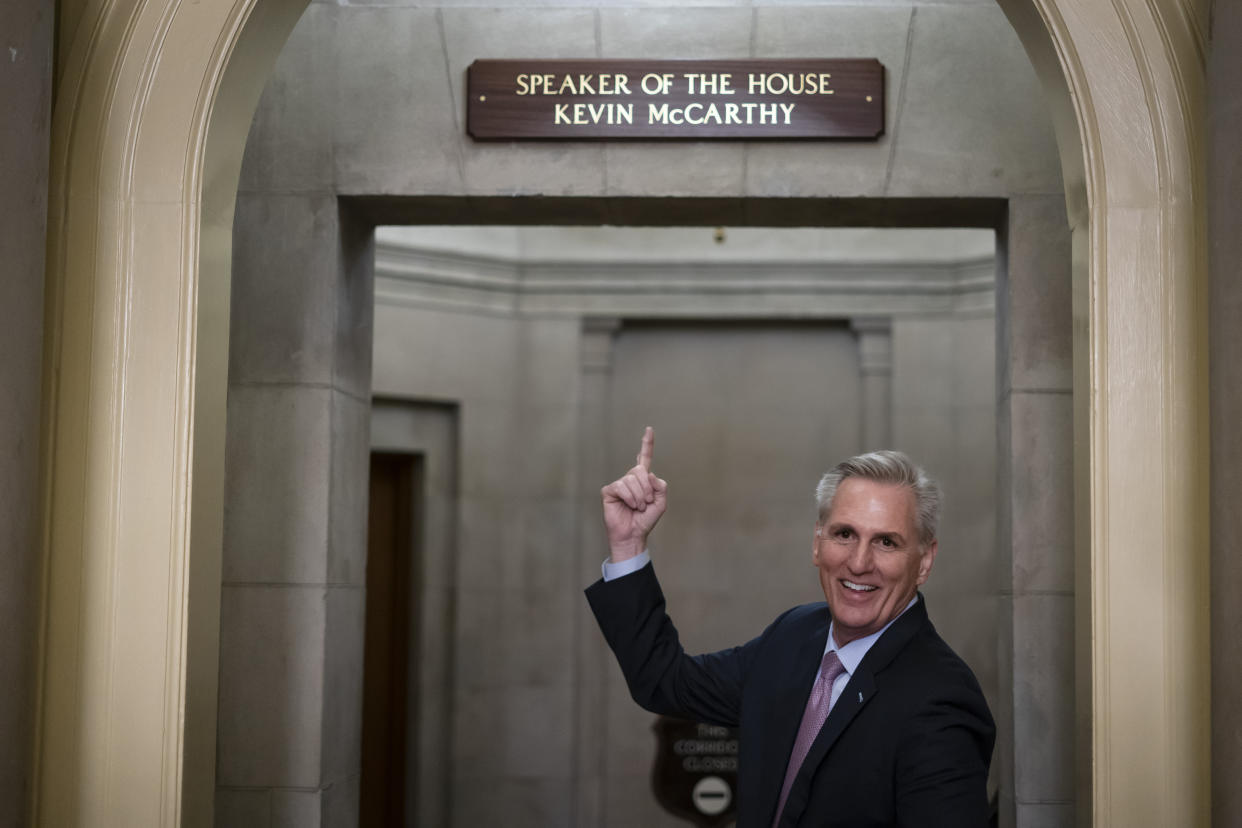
[{"x": 907, "y": 744}]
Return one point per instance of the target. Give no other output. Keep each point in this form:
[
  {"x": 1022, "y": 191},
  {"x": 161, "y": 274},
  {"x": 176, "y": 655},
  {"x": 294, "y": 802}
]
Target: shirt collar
[{"x": 851, "y": 654}]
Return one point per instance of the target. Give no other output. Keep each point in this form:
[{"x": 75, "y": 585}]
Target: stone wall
[
  {"x": 26, "y": 100},
  {"x": 1225, "y": 349},
  {"x": 369, "y": 99},
  {"x": 294, "y": 564},
  {"x": 430, "y": 433},
  {"x": 1035, "y": 513},
  {"x": 513, "y": 382}
]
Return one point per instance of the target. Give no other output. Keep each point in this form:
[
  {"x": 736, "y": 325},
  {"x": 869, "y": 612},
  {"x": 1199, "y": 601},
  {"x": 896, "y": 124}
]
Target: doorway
[
  {"x": 395, "y": 495},
  {"x": 414, "y": 485},
  {"x": 509, "y": 322}
]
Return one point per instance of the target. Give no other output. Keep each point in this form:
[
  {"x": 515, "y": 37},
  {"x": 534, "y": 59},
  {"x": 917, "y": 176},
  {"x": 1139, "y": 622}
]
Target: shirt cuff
[{"x": 612, "y": 571}]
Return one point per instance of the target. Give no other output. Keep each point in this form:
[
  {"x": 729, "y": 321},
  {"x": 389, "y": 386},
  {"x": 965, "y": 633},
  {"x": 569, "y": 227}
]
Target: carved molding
[
  {"x": 599, "y": 334},
  {"x": 418, "y": 277},
  {"x": 875, "y": 344},
  {"x": 1137, "y": 84}
]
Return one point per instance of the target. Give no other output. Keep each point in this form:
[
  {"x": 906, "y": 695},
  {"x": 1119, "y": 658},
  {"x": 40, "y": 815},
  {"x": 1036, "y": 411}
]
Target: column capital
[
  {"x": 875, "y": 344},
  {"x": 871, "y": 325},
  {"x": 598, "y": 334}
]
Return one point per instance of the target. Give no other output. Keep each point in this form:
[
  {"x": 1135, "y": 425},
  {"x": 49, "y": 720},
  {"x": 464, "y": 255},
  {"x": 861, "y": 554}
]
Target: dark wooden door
[{"x": 392, "y": 550}]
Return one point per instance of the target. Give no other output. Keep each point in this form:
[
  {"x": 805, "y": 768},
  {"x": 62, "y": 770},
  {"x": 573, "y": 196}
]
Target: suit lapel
[
  {"x": 790, "y": 702},
  {"x": 857, "y": 693}
]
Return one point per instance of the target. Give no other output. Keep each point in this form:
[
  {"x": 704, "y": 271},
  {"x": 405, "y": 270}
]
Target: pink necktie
[{"x": 813, "y": 718}]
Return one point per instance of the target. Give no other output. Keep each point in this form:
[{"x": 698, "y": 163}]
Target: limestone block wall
[
  {"x": 747, "y": 418},
  {"x": 369, "y": 99},
  {"x": 430, "y": 432},
  {"x": 26, "y": 96},
  {"x": 513, "y": 382},
  {"x": 1036, "y": 507},
  {"x": 1224, "y": 253},
  {"x": 944, "y": 413},
  {"x": 367, "y": 102},
  {"x": 294, "y": 561}
]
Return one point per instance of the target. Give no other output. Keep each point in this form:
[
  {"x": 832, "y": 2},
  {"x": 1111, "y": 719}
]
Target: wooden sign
[
  {"x": 695, "y": 772},
  {"x": 675, "y": 99}
]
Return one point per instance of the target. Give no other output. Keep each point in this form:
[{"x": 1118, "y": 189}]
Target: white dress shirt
[{"x": 851, "y": 654}]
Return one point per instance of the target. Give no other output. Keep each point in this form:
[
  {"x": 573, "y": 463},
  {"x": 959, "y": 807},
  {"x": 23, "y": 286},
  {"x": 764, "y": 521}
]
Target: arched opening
[
  {"x": 116, "y": 684},
  {"x": 284, "y": 197}
]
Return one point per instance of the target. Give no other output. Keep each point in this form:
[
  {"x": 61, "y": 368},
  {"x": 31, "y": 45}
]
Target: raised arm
[
  {"x": 630, "y": 611},
  {"x": 633, "y": 504}
]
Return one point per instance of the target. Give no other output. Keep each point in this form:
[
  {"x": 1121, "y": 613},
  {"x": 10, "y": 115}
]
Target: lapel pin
[{"x": 860, "y": 697}]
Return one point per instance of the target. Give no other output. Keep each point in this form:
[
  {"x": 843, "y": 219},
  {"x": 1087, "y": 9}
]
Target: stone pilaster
[
  {"x": 293, "y": 595},
  {"x": 596, "y": 355},
  {"x": 875, "y": 363},
  {"x": 1036, "y": 522}
]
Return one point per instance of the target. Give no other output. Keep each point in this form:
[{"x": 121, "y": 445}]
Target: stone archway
[{"x": 145, "y": 158}]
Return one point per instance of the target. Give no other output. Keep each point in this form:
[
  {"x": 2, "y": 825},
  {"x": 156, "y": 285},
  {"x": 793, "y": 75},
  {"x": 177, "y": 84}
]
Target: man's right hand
[{"x": 633, "y": 503}]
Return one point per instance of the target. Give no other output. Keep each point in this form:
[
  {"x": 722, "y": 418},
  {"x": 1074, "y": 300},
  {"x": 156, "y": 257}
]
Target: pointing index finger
[{"x": 647, "y": 448}]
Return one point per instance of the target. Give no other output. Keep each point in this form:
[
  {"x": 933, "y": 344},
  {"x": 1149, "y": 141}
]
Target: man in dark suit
[{"x": 852, "y": 712}]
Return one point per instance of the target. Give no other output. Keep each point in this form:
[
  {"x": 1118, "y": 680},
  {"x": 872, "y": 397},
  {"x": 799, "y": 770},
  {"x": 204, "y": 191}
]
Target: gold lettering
[
  {"x": 656, "y": 114},
  {"x": 523, "y": 85},
  {"x": 690, "y": 120},
  {"x": 731, "y": 114},
  {"x": 711, "y": 114},
  {"x": 585, "y": 114},
  {"x": 623, "y": 84},
  {"x": 698, "y": 83},
  {"x": 788, "y": 110},
  {"x": 546, "y": 81},
  {"x": 567, "y": 83},
  {"x": 789, "y": 83}
]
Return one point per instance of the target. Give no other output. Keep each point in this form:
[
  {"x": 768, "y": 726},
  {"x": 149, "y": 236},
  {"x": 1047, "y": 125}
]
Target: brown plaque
[
  {"x": 695, "y": 771},
  {"x": 675, "y": 99}
]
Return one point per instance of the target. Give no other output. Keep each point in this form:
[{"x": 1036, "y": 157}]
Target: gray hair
[{"x": 892, "y": 467}]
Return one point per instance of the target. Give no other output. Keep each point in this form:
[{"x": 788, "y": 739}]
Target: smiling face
[{"x": 869, "y": 556}]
